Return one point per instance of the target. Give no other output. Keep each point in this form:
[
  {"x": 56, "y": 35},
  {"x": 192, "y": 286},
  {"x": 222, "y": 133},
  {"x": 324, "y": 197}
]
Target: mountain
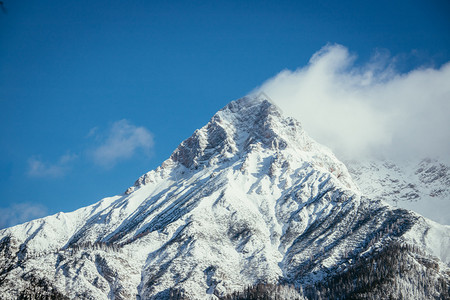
[
  {"x": 249, "y": 205},
  {"x": 419, "y": 185}
]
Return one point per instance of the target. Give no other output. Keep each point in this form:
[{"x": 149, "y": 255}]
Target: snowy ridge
[{"x": 248, "y": 198}]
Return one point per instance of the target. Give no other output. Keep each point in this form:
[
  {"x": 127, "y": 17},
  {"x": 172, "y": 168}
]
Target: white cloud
[
  {"x": 122, "y": 142},
  {"x": 370, "y": 110},
  {"x": 39, "y": 168},
  {"x": 19, "y": 213}
]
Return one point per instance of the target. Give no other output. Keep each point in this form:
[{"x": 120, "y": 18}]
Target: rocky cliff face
[{"x": 248, "y": 199}]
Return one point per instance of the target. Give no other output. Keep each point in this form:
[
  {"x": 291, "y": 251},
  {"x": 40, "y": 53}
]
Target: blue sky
[{"x": 95, "y": 93}]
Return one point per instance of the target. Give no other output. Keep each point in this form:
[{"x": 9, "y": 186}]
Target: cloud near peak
[
  {"x": 369, "y": 110},
  {"x": 121, "y": 142}
]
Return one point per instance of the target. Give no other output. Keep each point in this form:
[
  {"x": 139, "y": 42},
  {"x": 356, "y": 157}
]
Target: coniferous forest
[{"x": 395, "y": 272}]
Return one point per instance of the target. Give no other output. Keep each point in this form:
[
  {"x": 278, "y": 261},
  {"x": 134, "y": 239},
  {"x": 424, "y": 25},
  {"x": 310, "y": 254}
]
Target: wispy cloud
[
  {"x": 122, "y": 141},
  {"x": 19, "y": 213},
  {"x": 39, "y": 168},
  {"x": 367, "y": 110}
]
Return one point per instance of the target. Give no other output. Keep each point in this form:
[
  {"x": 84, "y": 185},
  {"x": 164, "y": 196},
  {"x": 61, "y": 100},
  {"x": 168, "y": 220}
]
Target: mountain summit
[
  {"x": 248, "y": 203},
  {"x": 241, "y": 127}
]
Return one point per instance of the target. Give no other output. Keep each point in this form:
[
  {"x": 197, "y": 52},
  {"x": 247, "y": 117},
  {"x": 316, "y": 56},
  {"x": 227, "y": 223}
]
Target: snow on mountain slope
[
  {"x": 422, "y": 186},
  {"x": 248, "y": 198}
]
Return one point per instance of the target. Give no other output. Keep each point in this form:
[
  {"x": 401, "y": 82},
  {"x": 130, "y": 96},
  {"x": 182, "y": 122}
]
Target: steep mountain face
[
  {"x": 248, "y": 199},
  {"x": 419, "y": 185}
]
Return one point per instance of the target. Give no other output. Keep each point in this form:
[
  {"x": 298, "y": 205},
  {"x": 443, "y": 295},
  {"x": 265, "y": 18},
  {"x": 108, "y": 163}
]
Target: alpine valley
[{"x": 248, "y": 207}]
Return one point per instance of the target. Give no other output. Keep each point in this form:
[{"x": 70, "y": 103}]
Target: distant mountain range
[
  {"x": 249, "y": 206},
  {"x": 420, "y": 185}
]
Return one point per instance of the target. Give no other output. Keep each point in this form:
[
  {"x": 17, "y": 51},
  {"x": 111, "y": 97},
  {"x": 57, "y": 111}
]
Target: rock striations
[{"x": 248, "y": 205}]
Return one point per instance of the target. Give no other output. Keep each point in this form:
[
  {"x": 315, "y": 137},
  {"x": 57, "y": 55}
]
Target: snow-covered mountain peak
[
  {"x": 245, "y": 126},
  {"x": 236, "y": 128}
]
